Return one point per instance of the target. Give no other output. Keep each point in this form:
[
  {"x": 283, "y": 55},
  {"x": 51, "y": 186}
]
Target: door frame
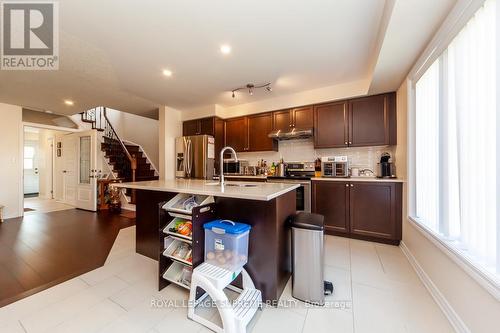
[{"x": 21, "y": 155}]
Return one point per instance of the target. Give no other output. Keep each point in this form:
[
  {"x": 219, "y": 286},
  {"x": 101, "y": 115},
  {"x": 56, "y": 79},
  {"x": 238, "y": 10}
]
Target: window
[
  {"x": 29, "y": 156},
  {"x": 85, "y": 160},
  {"x": 457, "y": 145}
]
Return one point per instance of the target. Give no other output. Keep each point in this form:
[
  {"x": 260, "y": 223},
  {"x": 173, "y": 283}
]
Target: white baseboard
[{"x": 454, "y": 319}]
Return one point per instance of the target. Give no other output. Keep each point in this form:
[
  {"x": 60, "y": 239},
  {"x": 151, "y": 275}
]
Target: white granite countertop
[
  {"x": 258, "y": 191},
  {"x": 360, "y": 179}
]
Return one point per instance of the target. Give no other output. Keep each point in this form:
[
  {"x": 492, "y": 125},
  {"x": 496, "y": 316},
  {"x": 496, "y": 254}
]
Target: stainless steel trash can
[{"x": 307, "y": 258}]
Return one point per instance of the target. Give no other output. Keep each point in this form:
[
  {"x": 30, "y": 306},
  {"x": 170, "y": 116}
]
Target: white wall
[
  {"x": 137, "y": 129},
  {"x": 170, "y": 127},
  {"x": 11, "y": 175},
  {"x": 326, "y": 94},
  {"x": 478, "y": 309},
  {"x": 320, "y": 95}
]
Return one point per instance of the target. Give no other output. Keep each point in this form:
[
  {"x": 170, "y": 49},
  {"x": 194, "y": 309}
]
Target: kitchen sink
[
  {"x": 241, "y": 185},
  {"x": 232, "y": 184}
]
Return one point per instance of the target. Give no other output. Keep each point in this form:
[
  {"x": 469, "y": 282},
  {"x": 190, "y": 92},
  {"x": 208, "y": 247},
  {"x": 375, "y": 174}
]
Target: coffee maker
[{"x": 386, "y": 168}]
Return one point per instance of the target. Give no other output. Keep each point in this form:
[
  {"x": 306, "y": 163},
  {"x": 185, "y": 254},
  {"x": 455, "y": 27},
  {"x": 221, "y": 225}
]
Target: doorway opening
[{"x": 40, "y": 176}]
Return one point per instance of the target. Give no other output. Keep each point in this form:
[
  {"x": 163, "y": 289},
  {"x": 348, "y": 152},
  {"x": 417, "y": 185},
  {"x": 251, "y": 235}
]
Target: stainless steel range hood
[{"x": 291, "y": 135}]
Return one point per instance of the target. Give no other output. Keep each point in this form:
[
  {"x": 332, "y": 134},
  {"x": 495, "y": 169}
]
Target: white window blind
[{"x": 456, "y": 144}]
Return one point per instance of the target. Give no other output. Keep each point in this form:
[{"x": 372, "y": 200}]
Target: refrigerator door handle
[
  {"x": 184, "y": 160},
  {"x": 189, "y": 158}
]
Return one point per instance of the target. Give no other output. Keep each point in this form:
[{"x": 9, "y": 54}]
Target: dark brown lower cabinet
[
  {"x": 363, "y": 210},
  {"x": 330, "y": 199}
]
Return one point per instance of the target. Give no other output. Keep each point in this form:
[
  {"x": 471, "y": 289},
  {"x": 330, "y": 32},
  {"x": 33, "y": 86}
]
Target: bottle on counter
[
  {"x": 317, "y": 167},
  {"x": 272, "y": 171}
]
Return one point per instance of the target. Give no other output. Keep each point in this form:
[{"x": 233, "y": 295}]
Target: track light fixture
[{"x": 251, "y": 87}]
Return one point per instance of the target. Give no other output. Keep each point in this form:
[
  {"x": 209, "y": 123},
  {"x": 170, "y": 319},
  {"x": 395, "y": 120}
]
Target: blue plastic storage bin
[{"x": 226, "y": 244}]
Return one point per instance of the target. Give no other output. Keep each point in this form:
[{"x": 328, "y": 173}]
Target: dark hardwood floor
[{"x": 42, "y": 250}]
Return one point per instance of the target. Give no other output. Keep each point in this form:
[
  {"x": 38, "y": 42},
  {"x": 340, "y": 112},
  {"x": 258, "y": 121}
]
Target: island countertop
[{"x": 256, "y": 191}]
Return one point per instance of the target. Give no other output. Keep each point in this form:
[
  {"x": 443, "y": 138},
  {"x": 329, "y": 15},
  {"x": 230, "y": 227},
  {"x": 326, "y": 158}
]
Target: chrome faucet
[{"x": 221, "y": 165}]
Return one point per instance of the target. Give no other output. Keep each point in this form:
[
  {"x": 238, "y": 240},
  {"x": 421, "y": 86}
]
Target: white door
[
  {"x": 49, "y": 162},
  {"x": 69, "y": 168},
  {"x": 86, "y": 189},
  {"x": 31, "y": 174}
]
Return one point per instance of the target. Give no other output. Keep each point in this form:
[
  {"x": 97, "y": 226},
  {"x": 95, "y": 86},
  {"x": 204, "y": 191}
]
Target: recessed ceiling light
[
  {"x": 167, "y": 72},
  {"x": 225, "y": 49},
  {"x": 69, "y": 102},
  {"x": 48, "y": 111}
]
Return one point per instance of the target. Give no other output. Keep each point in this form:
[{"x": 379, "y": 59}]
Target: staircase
[{"x": 126, "y": 160}]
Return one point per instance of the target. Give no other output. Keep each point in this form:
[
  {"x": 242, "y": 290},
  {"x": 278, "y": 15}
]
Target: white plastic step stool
[{"x": 236, "y": 315}]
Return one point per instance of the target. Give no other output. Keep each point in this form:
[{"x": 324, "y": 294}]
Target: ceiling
[{"x": 113, "y": 52}]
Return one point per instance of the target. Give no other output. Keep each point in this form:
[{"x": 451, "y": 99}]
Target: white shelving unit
[
  {"x": 175, "y": 234},
  {"x": 174, "y": 275},
  {"x": 173, "y": 243}
]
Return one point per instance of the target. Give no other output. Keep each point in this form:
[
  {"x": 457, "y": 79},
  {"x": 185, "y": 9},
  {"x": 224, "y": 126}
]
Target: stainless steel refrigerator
[{"x": 195, "y": 156}]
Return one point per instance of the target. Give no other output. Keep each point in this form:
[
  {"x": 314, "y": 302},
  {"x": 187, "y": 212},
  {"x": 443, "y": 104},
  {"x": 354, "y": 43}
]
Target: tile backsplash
[{"x": 304, "y": 151}]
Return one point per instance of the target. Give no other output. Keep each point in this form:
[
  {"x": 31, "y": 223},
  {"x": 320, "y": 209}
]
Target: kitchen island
[{"x": 265, "y": 206}]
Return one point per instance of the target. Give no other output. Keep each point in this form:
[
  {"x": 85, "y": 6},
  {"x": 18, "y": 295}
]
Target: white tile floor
[
  {"x": 44, "y": 205},
  {"x": 376, "y": 291}
]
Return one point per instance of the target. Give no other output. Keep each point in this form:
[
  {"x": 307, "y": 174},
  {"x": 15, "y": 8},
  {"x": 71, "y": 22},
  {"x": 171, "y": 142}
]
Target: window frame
[{"x": 458, "y": 18}]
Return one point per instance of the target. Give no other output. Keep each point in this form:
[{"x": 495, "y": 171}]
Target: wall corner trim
[{"x": 454, "y": 319}]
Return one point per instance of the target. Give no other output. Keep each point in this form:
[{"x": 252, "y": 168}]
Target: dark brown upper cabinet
[
  {"x": 372, "y": 121},
  {"x": 330, "y": 125},
  {"x": 300, "y": 118},
  {"x": 200, "y": 126},
  {"x": 360, "y": 122},
  {"x": 259, "y": 127},
  {"x": 303, "y": 117},
  {"x": 236, "y": 133},
  {"x": 191, "y": 127},
  {"x": 250, "y": 133},
  {"x": 282, "y": 120}
]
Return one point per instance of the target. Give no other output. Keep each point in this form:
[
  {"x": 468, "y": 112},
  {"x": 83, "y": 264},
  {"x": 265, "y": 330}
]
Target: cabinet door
[
  {"x": 369, "y": 121},
  {"x": 330, "y": 125},
  {"x": 282, "y": 120},
  {"x": 191, "y": 127},
  {"x": 303, "y": 117},
  {"x": 207, "y": 126},
  {"x": 331, "y": 199},
  {"x": 259, "y": 126},
  {"x": 373, "y": 210},
  {"x": 236, "y": 133}
]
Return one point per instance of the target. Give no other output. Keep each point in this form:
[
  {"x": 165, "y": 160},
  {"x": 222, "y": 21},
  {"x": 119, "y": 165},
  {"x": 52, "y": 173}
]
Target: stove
[{"x": 298, "y": 173}]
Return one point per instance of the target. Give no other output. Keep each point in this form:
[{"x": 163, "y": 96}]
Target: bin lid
[
  {"x": 308, "y": 221},
  {"x": 227, "y": 226}
]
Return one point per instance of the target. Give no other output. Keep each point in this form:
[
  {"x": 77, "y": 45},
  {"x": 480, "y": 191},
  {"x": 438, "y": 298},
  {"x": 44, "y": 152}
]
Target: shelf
[
  {"x": 172, "y": 223},
  {"x": 174, "y": 275},
  {"x": 183, "y": 203},
  {"x": 171, "y": 244}
]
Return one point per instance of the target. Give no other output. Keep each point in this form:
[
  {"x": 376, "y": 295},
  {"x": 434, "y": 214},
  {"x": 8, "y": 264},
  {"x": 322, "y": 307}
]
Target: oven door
[{"x": 303, "y": 193}]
